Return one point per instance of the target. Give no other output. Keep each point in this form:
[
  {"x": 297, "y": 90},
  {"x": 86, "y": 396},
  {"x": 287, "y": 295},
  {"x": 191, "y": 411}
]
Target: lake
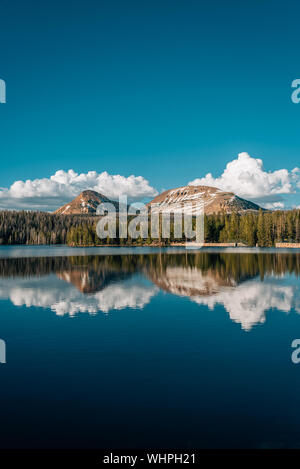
[{"x": 149, "y": 348}]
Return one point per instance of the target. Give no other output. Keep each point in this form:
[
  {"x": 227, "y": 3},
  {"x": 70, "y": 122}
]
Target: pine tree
[{"x": 261, "y": 229}]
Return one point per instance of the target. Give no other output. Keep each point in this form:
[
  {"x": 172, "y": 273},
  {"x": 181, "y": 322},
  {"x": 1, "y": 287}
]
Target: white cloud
[
  {"x": 50, "y": 193},
  {"x": 248, "y": 303},
  {"x": 274, "y": 205},
  {"x": 246, "y": 177},
  {"x": 64, "y": 299}
]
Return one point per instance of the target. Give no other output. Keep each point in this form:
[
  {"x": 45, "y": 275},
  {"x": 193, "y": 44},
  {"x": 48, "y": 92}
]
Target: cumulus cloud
[
  {"x": 248, "y": 303},
  {"x": 274, "y": 205},
  {"x": 246, "y": 177},
  {"x": 65, "y": 299},
  {"x": 61, "y": 187}
]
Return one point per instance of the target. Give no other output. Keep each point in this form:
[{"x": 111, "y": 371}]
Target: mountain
[
  {"x": 190, "y": 197},
  {"x": 85, "y": 204},
  {"x": 90, "y": 280},
  {"x": 190, "y": 281}
]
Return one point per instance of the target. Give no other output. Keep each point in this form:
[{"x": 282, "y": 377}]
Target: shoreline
[
  {"x": 47, "y": 251},
  {"x": 184, "y": 245},
  {"x": 159, "y": 246}
]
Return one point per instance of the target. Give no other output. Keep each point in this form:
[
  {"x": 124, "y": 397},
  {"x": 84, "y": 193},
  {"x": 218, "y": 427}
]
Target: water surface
[{"x": 144, "y": 348}]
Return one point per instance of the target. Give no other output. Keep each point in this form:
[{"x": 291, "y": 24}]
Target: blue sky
[{"x": 165, "y": 90}]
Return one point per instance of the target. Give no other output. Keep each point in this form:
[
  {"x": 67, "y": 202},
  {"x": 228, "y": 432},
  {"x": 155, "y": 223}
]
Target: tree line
[
  {"x": 236, "y": 266},
  {"x": 263, "y": 228},
  {"x": 26, "y": 227}
]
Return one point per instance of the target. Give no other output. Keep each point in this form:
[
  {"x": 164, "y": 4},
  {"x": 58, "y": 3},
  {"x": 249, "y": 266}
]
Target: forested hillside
[
  {"x": 23, "y": 227},
  {"x": 263, "y": 229}
]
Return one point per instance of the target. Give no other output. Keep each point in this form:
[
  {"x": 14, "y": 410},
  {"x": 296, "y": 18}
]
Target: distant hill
[
  {"x": 191, "y": 198},
  {"x": 188, "y": 197},
  {"x": 85, "y": 203}
]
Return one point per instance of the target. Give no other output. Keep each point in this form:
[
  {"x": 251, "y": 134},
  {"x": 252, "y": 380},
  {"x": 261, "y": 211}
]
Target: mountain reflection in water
[{"x": 246, "y": 285}]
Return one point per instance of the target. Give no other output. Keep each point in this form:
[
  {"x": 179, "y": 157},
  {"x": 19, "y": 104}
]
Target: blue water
[
  {"x": 20, "y": 251},
  {"x": 151, "y": 350}
]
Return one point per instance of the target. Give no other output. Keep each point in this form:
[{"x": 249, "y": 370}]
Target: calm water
[{"x": 144, "y": 348}]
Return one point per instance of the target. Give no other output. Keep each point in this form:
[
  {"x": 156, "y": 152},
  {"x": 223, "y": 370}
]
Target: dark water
[{"x": 183, "y": 350}]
